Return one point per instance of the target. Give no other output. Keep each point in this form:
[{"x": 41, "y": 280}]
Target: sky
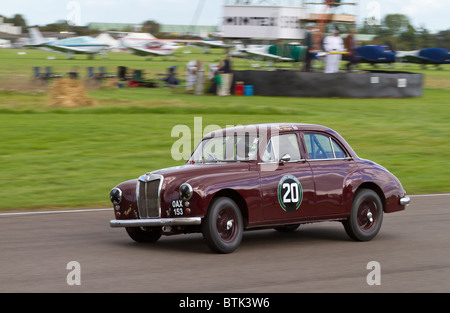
[{"x": 431, "y": 14}]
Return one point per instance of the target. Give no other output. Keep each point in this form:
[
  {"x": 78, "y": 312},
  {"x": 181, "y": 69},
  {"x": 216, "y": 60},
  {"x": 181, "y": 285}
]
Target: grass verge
[{"x": 73, "y": 157}]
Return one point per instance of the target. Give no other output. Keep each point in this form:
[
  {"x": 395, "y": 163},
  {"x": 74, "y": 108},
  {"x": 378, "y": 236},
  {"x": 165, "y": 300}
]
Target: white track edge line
[
  {"x": 53, "y": 212},
  {"x": 108, "y": 209}
]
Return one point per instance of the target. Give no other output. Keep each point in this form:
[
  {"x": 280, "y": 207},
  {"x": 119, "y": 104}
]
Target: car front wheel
[
  {"x": 144, "y": 234},
  {"x": 223, "y": 226},
  {"x": 366, "y": 216}
]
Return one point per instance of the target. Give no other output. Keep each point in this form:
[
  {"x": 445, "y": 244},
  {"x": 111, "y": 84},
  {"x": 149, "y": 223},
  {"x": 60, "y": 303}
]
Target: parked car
[{"x": 266, "y": 175}]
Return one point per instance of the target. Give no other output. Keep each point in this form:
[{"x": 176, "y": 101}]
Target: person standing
[
  {"x": 333, "y": 46},
  {"x": 226, "y": 77},
  {"x": 200, "y": 79},
  {"x": 309, "y": 43},
  {"x": 350, "y": 45},
  {"x": 191, "y": 76}
]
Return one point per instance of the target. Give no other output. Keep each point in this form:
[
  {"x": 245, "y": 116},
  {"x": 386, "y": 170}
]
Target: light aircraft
[
  {"x": 154, "y": 48},
  {"x": 375, "y": 54},
  {"x": 70, "y": 46},
  {"x": 144, "y": 44},
  {"x": 277, "y": 53},
  {"x": 434, "y": 56}
]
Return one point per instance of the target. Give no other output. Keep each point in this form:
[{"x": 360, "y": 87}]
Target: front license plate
[{"x": 178, "y": 211}]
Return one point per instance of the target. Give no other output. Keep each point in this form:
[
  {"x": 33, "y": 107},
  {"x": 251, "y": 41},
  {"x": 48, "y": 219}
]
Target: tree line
[{"x": 397, "y": 31}]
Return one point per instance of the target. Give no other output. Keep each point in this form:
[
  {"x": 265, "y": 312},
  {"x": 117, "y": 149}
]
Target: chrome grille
[{"x": 148, "y": 196}]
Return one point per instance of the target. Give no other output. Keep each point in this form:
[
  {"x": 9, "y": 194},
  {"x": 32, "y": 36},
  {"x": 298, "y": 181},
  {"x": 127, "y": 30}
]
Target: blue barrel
[{"x": 248, "y": 90}]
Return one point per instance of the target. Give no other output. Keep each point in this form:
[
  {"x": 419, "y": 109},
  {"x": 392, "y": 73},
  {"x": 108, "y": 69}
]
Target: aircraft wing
[
  {"x": 416, "y": 59},
  {"x": 212, "y": 44},
  {"x": 402, "y": 54},
  {"x": 427, "y": 56},
  {"x": 146, "y": 52},
  {"x": 66, "y": 49},
  {"x": 421, "y": 60},
  {"x": 262, "y": 56}
]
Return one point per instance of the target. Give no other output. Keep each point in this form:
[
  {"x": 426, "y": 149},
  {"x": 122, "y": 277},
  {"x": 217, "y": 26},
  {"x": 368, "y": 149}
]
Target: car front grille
[{"x": 148, "y": 196}]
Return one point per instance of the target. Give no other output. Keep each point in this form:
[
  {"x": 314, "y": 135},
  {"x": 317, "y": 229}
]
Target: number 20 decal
[{"x": 290, "y": 193}]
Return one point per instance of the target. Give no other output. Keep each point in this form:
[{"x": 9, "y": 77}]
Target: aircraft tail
[{"x": 36, "y": 37}]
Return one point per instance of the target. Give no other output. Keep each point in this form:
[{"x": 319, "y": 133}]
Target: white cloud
[{"x": 414, "y": 7}]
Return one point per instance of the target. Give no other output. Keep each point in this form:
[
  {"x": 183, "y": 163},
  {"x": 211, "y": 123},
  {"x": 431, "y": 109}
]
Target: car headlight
[
  {"x": 115, "y": 196},
  {"x": 186, "y": 191}
]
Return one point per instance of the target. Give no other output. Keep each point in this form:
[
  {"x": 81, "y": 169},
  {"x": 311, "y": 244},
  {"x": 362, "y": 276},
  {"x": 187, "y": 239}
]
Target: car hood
[{"x": 188, "y": 171}]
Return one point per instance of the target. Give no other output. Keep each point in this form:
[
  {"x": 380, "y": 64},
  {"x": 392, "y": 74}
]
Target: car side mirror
[{"x": 285, "y": 158}]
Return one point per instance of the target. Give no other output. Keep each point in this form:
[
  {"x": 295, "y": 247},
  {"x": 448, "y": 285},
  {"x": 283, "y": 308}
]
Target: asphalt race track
[{"x": 412, "y": 251}]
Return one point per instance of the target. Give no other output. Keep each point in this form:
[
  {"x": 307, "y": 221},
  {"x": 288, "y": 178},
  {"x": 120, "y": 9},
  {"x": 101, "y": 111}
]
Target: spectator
[
  {"x": 309, "y": 49},
  {"x": 191, "y": 75},
  {"x": 226, "y": 77},
  {"x": 171, "y": 79},
  {"x": 350, "y": 45},
  {"x": 333, "y": 46},
  {"x": 200, "y": 78}
]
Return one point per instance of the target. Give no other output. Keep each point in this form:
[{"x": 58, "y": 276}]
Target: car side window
[
  {"x": 281, "y": 145},
  {"x": 338, "y": 151},
  {"x": 323, "y": 147},
  {"x": 268, "y": 155}
]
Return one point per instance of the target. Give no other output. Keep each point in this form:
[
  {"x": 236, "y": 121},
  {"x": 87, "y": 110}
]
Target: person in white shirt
[
  {"x": 191, "y": 75},
  {"x": 333, "y": 43}
]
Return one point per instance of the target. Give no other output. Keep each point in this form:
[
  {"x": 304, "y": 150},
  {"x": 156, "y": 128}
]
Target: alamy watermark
[
  {"x": 247, "y": 143},
  {"x": 373, "y": 16},
  {"x": 182, "y": 148},
  {"x": 73, "y": 278},
  {"x": 74, "y": 16},
  {"x": 374, "y": 276}
]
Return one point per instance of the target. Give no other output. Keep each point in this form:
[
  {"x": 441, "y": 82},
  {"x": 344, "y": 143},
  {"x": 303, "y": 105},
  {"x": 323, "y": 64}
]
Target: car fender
[
  {"x": 351, "y": 184},
  {"x": 388, "y": 185}
]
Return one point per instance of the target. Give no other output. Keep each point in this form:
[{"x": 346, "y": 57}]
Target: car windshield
[{"x": 233, "y": 148}]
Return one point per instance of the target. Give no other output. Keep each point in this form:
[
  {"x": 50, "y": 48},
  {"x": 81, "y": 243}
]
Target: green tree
[
  {"x": 151, "y": 27},
  {"x": 58, "y": 26},
  {"x": 442, "y": 39},
  {"x": 425, "y": 39},
  {"x": 395, "y": 24},
  {"x": 18, "y": 20},
  {"x": 408, "y": 40}
]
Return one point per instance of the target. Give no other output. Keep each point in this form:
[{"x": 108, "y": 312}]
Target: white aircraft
[
  {"x": 145, "y": 44},
  {"x": 70, "y": 46}
]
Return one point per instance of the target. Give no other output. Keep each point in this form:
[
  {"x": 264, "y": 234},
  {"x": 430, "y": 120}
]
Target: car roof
[
  {"x": 280, "y": 127},
  {"x": 268, "y": 129}
]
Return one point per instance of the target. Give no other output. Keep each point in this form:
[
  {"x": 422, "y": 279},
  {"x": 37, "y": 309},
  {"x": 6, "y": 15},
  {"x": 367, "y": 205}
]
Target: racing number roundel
[{"x": 290, "y": 193}]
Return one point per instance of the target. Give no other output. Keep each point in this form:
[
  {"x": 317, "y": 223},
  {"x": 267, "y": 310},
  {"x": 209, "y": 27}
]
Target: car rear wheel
[
  {"x": 366, "y": 216},
  {"x": 223, "y": 226},
  {"x": 144, "y": 234}
]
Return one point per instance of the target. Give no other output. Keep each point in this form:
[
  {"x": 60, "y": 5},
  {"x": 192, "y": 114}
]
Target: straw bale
[{"x": 67, "y": 92}]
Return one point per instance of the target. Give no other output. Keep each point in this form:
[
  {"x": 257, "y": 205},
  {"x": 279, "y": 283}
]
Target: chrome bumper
[
  {"x": 405, "y": 200},
  {"x": 155, "y": 222}
]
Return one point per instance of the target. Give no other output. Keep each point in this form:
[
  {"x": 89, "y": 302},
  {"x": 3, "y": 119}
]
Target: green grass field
[{"x": 54, "y": 157}]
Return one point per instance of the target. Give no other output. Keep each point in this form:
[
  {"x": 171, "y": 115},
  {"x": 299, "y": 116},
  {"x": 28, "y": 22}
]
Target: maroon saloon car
[{"x": 267, "y": 175}]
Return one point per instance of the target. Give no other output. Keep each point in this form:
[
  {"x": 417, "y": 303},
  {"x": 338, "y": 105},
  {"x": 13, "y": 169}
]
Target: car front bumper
[{"x": 155, "y": 222}]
